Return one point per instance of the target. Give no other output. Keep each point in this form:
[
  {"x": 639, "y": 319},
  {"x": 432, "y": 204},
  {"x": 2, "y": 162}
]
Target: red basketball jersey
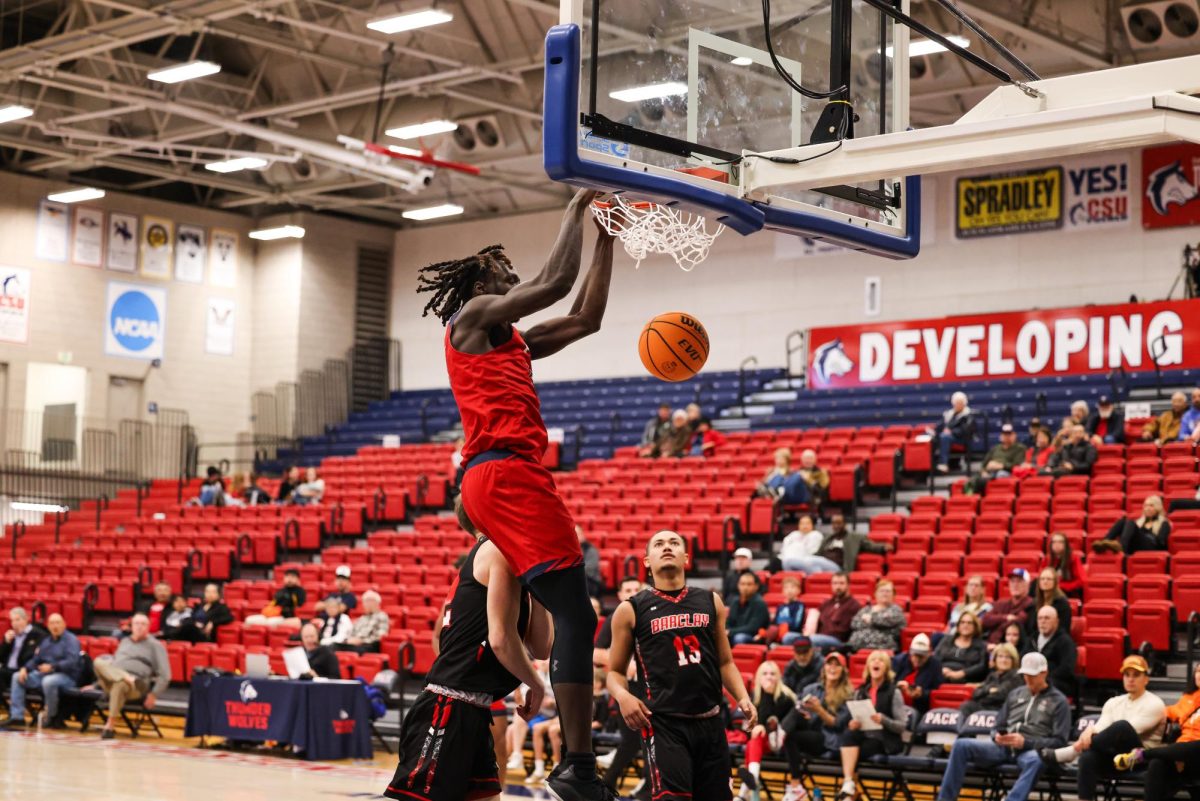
[{"x": 496, "y": 399}]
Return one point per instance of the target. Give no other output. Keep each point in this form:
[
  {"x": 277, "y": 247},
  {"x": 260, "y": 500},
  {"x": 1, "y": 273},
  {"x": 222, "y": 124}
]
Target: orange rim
[{"x": 640, "y": 205}]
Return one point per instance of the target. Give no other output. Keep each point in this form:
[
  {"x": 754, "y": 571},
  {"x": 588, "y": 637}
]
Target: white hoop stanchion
[{"x": 645, "y": 228}]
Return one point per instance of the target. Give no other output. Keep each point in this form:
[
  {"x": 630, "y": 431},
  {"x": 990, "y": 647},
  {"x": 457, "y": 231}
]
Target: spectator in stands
[
  {"x": 335, "y": 624},
  {"x": 1014, "y": 609},
  {"x": 957, "y": 428},
  {"x": 878, "y": 687},
  {"x": 1169, "y": 766},
  {"x": 371, "y": 627},
  {"x": 1106, "y": 425},
  {"x": 311, "y": 491},
  {"x": 1054, "y": 642},
  {"x": 815, "y": 476},
  {"x": 155, "y": 609},
  {"x": 963, "y": 657},
  {"x": 212, "y": 489},
  {"x": 548, "y": 729},
  {"x": 1037, "y": 455},
  {"x": 738, "y": 565},
  {"x": 774, "y": 700},
  {"x": 211, "y": 614},
  {"x": 631, "y": 739},
  {"x": 19, "y": 644},
  {"x": 800, "y": 548},
  {"x": 782, "y": 482},
  {"x": 1189, "y": 426},
  {"x": 842, "y": 547},
  {"x": 1135, "y": 719},
  {"x": 138, "y": 671},
  {"x": 1014, "y": 635},
  {"x": 1080, "y": 412},
  {"x": 837, "y": 614},
  {"x": 55, "y": 666},
  {"x": 1048, "y": 593},
  {"x": 1033, "y": 717},
  {"x": 710, "y": 440},
  {"x": 748, "y": 614},
  {"x": 654, "y": 429},
  {"x": 291, "y": 480},
  {"x": 322, "y": 661},
  {"x": 179, "y": 623},
  {"x": 1075, "y": 458},
  {"x": 918, "y": 673},
  {"x": 1065, "y": 563},
  {"x": 341, "y": 583},
  {"x": 1035, "y": 425},
  {"x": 789, "y": 615},
  {"x": 1148, "y": 533},
  {"x": 288, "y": 601},
  {"x": 816, "y": 724},
  {"x": 591, "y": 563},
  {"x": 996, "y": 686},
  {"x": 974, "y": 600},
  {"x": 628, "y": 587},
  {"x": 1001, "y": 460},
  {"x": 254, "y": 495},
  {"x": 676, "y": 441},
  {"x": 878, "y": 626},
  {"x": 805, "y": 666},
  {"x": 1168, "y": 425},
  {"x": 694, "y": 415},
  {"x": 1063, "y": 434}
]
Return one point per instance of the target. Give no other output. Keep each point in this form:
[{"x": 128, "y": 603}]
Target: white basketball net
[{"x": 645, "y": 228}]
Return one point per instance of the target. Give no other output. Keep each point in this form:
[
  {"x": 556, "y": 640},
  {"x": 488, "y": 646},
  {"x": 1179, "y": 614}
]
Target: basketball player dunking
[
  {"x": 505, "y": 489},
  {"x": 677, "y": 634},
  {"x": 490, "y": 626}
]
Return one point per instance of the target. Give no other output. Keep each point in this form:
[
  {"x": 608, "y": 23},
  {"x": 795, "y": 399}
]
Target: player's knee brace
[{"x": 564, "y": 594}]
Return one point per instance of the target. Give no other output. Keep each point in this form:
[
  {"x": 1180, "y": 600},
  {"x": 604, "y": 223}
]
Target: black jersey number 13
[{"x": 688, "y": 649}]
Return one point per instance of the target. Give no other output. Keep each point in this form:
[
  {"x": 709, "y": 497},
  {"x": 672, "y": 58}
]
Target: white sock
[
  {"x": 1066, "y": 754},
  {"x": 755, "y": 769},
  {"x": 539, "y": 765}
]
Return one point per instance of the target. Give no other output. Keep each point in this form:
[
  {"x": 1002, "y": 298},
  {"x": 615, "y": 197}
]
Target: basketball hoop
[{"x": 645, "y": 228}]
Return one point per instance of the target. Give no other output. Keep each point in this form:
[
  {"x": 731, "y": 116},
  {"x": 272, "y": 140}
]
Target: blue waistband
[{"x": 494, "y": 455}]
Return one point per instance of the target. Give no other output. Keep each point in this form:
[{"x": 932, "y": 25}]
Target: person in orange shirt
[{"x": 1169, "y": 766}]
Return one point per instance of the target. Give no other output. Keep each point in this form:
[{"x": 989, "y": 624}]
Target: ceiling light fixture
[
  {"x": 742, "y": 61},
  {"x": 185, "y": 72},
  {"x": 925, "y": 47},
  {"x": 11, "y": 113},
  {"x": 422, "y": 129},
  {"x": 652, "y": 91},
  {"x": 281, "y": 232},
  {"x": 433, "y": 212},
  {"x": 237, "y": 165},
  {"x": 76, "y": 195},
  {"x": 410, "y": 21}
]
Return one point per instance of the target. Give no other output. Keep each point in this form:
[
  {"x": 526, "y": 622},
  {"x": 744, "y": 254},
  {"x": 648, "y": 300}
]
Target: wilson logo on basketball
[{"x": 673, "y": 346}]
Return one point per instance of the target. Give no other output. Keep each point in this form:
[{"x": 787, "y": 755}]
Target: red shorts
[{"x": 515, "y": 503}]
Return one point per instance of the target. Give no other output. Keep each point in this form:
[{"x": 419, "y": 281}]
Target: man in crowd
[
  {"x": 837, "y": 612},
  {"x": 956, "y": 428},
  {"x": 54, "y": 667},
  {"x": 1106, "y": 425},
  {"x": 737, "y": 566},
  {"x": 212, "y": 614},
  {"x": 655, "y": 428},
  {"x": 748, "y": 614},
  {"x": 815, "y": 476},
  {"x": 322, "y": 661},
  {"x": 918, "y": 673},
  {"x": 1001, "y": 459},
  {"x": 138, "y": 671},
  {"x": 341, "y": 582},
  {"x": 370, "y": 628},
  {"x": 18, "y": 645},
  {"x": 1034, "y": 717},
  {"x": 842, "y": 547},
  {"x": 677, "y": 439},
  {"x": 287, "y": 604},
  {"x": 154, "y": 609},
  {"x": 1075, "y": 457},
  {"x": 1166, "y": 427},
  {"x": 1014, "y": 609},
  {"x": 1189, "y": 425},
  {"x": 1054, "y": 643},
  {"x": 805, "y": 667},
  {"x": 628, "y": 587},
  {"x": 1135, "y": 719}
]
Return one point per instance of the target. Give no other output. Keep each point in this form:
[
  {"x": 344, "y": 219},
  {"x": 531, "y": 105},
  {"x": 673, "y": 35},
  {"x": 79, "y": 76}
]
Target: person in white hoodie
[{"x": 800, "y": 549}]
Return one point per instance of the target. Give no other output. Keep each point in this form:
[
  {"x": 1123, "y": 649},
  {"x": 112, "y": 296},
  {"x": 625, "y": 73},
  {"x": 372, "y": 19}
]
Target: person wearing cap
[
  {"x": 748, "y": 613},
  {"x": 738, "y": 565},
  {"x": 286, "y": 605},
  {"x": 1055, "y": 643},
  {"x": 918, "y": 673},
  {"x": 1106, "y": 425},
  {"x": 1032, "y": 717},
  {"x": 341, "y": 581},
  {"x": 837, "y": 614},
  {"x": 805, "y": 666},
  {"x": 815, "y": 727},
  {"x": 1074, "y": 457},
  {"x": 1001, "y": 459},
  {"x": 1014, "y": 609},
  {"x": 1135, "y": 719},
  {"x": 1168, "y": 766},
  {"x": 1189, "y": 426}
]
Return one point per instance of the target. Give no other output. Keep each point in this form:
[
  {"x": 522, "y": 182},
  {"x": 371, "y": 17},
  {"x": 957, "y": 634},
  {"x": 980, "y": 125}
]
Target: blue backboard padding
[{"x": 560, "y": 157}]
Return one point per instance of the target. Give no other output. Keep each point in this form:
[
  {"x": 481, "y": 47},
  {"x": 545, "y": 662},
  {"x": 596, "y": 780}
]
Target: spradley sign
[{"x": 1088, "y": 339}]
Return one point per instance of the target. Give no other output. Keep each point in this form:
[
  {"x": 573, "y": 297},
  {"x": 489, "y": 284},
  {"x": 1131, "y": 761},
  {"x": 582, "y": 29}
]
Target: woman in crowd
[
  {"x": 878, "y": 687},
  {"x": 1037, "y": 455},
  {"x": 1048, "y": 593},
  {"x": 781, "y": 481},
  {"x": 1168, "y": 767},
  {"x": 963, "y": 656},
  {"x": 974, "y": 600},
  {"x": 800, "y": 548},
  {"x": 1148, "y": 533},
  {"x": 815, "y": 726},
  {"x": 1066, "y": 563},
  {"x": 177, "y": 623},
  {"x": 878, "y": 626},
  {"x": 212, "y": 614},
  {"x": 994, "y": 689},
  {"x": 774, "y": 700}
]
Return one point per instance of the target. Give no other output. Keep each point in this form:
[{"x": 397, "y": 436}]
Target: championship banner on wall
[
  {"x": 1171, "y": 186},
  {"x": 1088, "y": 339},
  {"x": 1009, "y": 203},
  {"x": 14, "y": 304}
]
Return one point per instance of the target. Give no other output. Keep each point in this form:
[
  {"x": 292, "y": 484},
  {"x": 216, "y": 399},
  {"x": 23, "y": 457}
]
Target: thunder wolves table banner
[{"x": 1089, "y": 339}]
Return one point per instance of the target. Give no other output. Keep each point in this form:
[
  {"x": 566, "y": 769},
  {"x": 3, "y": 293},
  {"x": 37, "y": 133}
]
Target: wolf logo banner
[{"x": 1171, "y": 186}]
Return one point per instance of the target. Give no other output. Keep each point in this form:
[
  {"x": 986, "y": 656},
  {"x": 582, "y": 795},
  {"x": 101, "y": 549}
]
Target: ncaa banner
[
  {"x": 1088, "y": 339},
  {"x": 1009, "y": 203},
  {"x": 135, "y": 321},
  {"x": 1171, "y": 186},
  {"x": 1097, "y": 193}
]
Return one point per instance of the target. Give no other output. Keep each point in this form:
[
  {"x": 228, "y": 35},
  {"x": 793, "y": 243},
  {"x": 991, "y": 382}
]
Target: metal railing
[
  {"x": 796, "y": 342},
  {"x": 749, "y": 361}
]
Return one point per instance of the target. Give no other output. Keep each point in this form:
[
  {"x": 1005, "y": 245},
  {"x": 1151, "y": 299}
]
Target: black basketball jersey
[
  {"x": 675, "y": 645},
  {"x": 466, "y": 661}
]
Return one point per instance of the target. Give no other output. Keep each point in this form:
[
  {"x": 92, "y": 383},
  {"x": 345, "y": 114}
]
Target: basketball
[{"x": 673, "y": 346}]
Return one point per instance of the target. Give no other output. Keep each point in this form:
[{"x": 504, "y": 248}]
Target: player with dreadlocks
[{"x": 505, "y": 489}]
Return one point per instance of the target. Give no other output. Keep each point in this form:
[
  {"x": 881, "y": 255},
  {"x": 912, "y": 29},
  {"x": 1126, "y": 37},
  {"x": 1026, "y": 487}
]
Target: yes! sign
[{"x": 135, "y": 322}]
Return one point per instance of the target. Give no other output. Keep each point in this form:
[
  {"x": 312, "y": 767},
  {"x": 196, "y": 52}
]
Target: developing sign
[
  {"x": 135, "y": 321},
  {"x": 1089, "y": 339},
  {"x": 1009, "y": 203}
]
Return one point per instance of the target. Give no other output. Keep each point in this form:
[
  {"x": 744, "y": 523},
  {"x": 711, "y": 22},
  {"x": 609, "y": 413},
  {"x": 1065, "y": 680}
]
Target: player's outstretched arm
[
  {"x": 731, "y": 677},
  {"x": 549, "y": 286},
  {"x": 636, "y": 714},
  {"x": 586, "y": 313},
  {"x": 503, "y": 611}
]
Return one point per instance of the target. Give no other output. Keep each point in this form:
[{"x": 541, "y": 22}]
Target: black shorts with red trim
[
  {"x": 446, "y": 752},
  {"x": 687, "y": 759}
]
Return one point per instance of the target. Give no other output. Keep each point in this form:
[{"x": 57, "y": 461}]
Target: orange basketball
[{"x": 673, "y": 346}]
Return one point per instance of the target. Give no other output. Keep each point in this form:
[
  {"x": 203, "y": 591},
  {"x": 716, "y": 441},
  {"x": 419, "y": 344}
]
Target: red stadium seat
[
  {"x": 1151, "y": 621},
  {"x": 1106, "y": 649}
]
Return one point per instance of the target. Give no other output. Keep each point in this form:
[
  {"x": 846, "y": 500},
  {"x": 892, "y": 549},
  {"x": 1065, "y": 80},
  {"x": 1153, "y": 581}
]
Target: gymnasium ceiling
[{"x": 297, "y": 73}]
